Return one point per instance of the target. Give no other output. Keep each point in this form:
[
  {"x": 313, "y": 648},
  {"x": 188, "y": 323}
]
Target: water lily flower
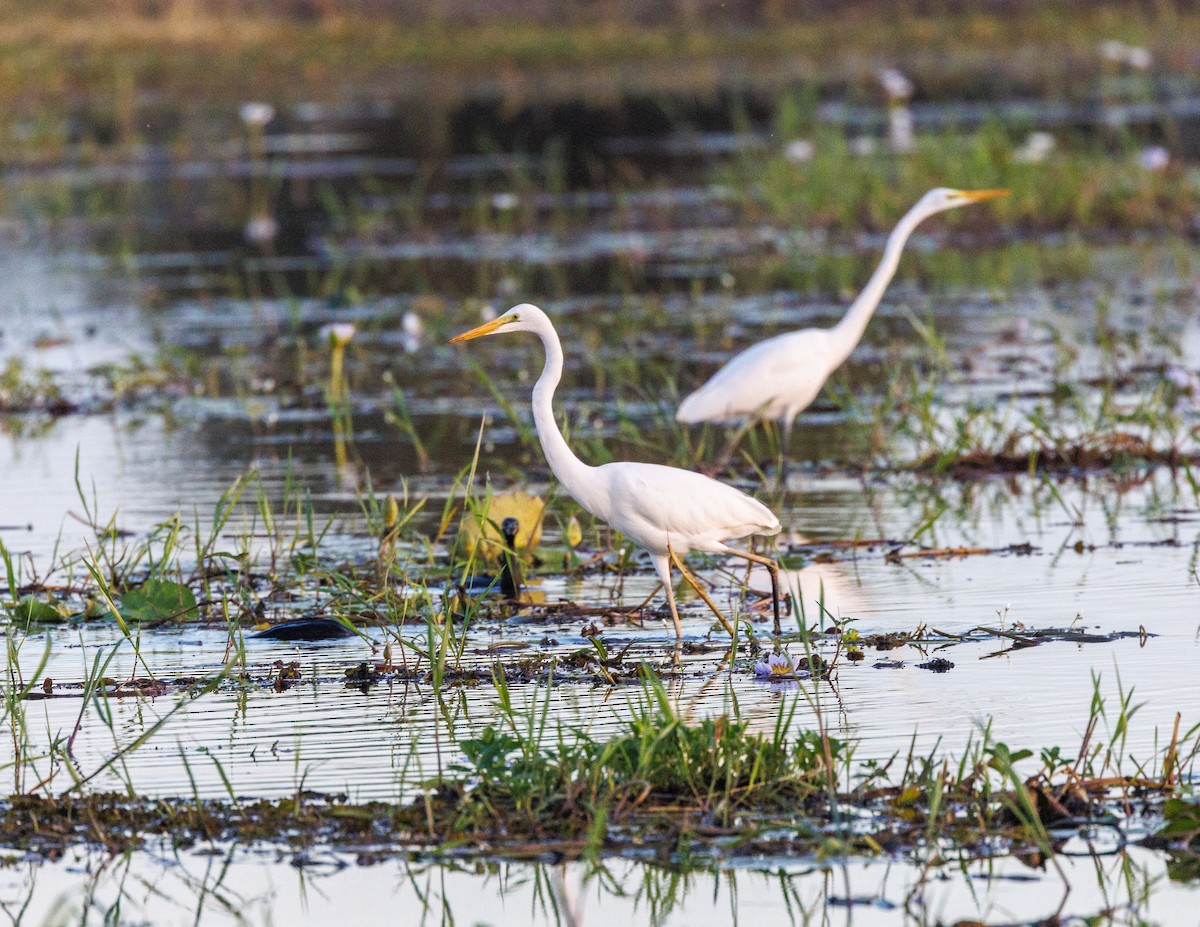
[
  {"x": 411, "y": 324},
  {"x": 1113, "y": 50},
  {"x": 776, "y": 665},
  {"x": 257, "y": 114},
  {"x": 894, "y": 84},
  {"x": 261, "y": 230},
  {"x": 1132, "y": 56},
  {"x": 799, "y": 150},
  {"x": 338, "y": 334},
  {"x": 1139, "y": 59},
  {"x": 1154, "y": 158},
  {"x": 1037, "y": 147}
]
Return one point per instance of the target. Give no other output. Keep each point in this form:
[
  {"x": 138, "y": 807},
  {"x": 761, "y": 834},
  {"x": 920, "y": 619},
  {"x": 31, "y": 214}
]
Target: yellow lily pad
[{"x": 483, "y": 529}]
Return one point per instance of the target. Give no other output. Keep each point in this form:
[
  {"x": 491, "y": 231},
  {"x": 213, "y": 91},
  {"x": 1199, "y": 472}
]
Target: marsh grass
[
  {"x": 1089, "y": 183},
  {"x": 718, "y": 786}
]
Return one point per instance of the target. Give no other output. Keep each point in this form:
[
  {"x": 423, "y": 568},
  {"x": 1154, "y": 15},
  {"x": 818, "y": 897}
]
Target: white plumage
[
  {"x": 777, "y": 379},
  {"x": 663, "y": 509}
]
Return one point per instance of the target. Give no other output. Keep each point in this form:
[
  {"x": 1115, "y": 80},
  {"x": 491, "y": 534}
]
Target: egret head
[
  {"x": 940, "y": 199},
  {"x": 522, "y": 318}
]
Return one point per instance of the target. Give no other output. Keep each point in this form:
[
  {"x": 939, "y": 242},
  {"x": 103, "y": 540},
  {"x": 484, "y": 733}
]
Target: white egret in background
[
  {"x": 668, "y": 511},
  {"x": 778, "y": 378}
]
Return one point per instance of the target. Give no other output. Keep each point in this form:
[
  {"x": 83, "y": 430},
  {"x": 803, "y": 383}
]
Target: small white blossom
[
  {"x": 412, "y": 325},
  {"x": 505, "y": 201},
  {"x": 338, "y": 334},
  {"x": 1037, "y": 147},
  {"x": 1113, "y": 50},
  {"x": 894, "y": 84},
  {"x": 1132, "y": 56},
  {"x": 1154, "y": 158},
  {"x": 799, "y": 150},
  {"x": 257, "y": 114},
  {"x": 1139, "y": 59},
  {"x": 261, "y": 230}
]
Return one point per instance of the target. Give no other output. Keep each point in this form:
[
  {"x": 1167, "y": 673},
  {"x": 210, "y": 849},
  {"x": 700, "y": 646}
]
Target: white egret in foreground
[
  {"x": 666, "y": 510},
  {"x": 778, "y": 378}
]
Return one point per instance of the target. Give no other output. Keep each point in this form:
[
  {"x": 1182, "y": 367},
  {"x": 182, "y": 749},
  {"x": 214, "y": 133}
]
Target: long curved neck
[
  {"x": 847, "y": 333},
  {"x": 567, "y": 468}
]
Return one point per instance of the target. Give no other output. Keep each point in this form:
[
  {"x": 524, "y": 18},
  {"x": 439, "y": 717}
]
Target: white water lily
[
  {"x": 1138, "y": 58},
  {"x": 1154, "y": 158},
  {"x": 799, "y": 150},
  {"x": 776, "y": 664},
  {"x": 1132, "y": 56},
  {"x": 411, "y": 324},
  {"x": 338, "y": 334},
  {"x": 257, "y": 114},
  {"x": 1038, "y": 146},
  {"x": 895, "y": 85},
  {"x": 261, "y": 230}
]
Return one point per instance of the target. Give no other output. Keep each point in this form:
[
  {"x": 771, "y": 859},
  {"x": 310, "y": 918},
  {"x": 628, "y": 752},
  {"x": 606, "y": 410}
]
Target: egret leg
[
  {"x": 731, "y": 445},
  {"x": 663, "y": 566},
  {"x": 695, "y": 584},
  {"x": 773, "y": 569},
  {"x": 784, "y": 447}
]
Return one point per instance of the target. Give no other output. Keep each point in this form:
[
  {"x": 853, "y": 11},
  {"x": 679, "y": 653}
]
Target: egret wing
[
  {"x": 687, "y": 505},
  {"x": 764, "y": 380}
]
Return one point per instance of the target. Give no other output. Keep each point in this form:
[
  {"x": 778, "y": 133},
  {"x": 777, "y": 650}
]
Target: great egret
[
  {"x": 666, "y": 510},
  {"x": 778, "y": 378}
]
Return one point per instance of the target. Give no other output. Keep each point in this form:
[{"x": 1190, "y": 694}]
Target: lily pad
[
  {"x": 481, "y": 529},
  {"x": 157, "y": 599},
  {"x": 32, "y": 610}
]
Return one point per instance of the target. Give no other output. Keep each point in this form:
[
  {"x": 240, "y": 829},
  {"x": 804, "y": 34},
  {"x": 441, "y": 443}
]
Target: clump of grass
[
  {"x": 713, "y": 767},
  {"x": 1087, "y": 184},
  {"x": 23, "y": 390},
  {"x": 712, "y": 786}
]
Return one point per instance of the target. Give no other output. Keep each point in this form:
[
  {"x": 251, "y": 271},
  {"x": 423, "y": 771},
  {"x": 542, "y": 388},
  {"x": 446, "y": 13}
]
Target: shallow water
[
  {"x": 647, "y": 286},
  {"x": 1143, "y": 545},
  {"x": 235, "y": 885}
]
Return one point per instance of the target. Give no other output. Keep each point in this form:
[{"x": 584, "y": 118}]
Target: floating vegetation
[{"x": 714, "y": 788}]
